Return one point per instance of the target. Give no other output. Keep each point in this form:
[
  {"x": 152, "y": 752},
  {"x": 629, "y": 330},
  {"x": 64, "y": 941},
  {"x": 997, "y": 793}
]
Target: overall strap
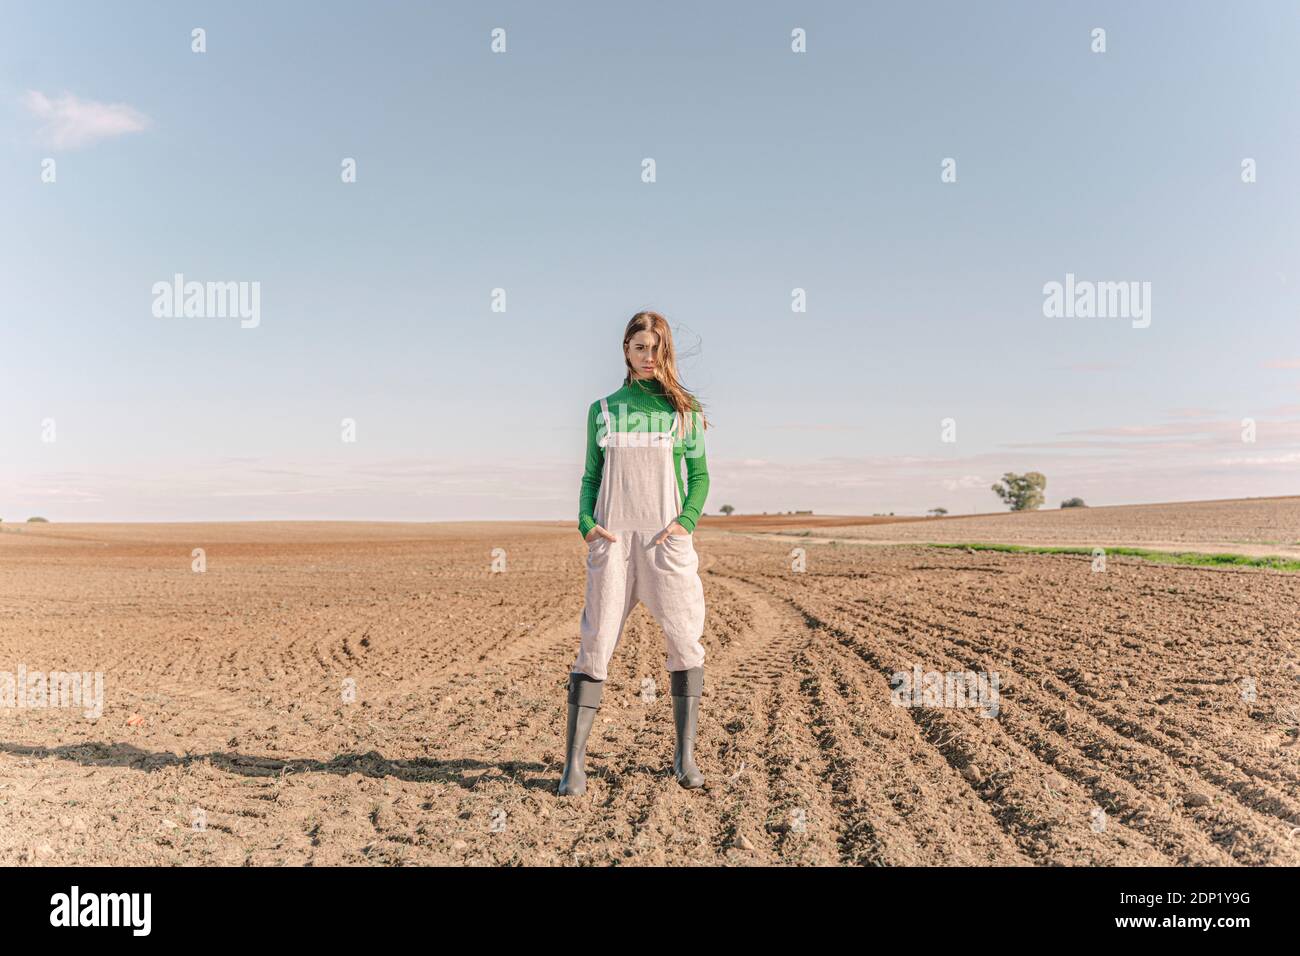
[
  {"x": 680, "y": 419},
  {"x": 604, "y": 410}
]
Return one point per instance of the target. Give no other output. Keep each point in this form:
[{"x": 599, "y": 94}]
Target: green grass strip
[{"x": 1159, "y": 557}]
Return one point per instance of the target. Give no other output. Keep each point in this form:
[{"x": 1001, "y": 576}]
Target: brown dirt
[
  {"x": 1120, "y": 690},
  {"x": 1254, "y": 526},
  {"x": 794, "y": 522}
]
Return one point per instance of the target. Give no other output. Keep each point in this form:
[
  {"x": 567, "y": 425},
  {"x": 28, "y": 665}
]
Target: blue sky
[{"x": 522, "y": 171}]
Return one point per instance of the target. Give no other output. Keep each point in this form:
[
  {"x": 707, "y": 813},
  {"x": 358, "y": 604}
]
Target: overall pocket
[
  {"x": 676, "y": 552},
  {"x": 598, "y": 553}
]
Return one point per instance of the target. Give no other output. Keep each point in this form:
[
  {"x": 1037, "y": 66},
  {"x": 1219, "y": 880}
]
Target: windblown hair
[{"x": 665, "y": 364}]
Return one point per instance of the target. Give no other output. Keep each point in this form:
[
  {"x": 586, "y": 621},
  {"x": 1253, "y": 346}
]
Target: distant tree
[
  {"x": 937, "y": 512},
  {"x": 1073, "y": 503},
  {"x": 38, "y": 519},
  {"x": 726, "y": 509},
  {"x": 1022, "y": 492}
]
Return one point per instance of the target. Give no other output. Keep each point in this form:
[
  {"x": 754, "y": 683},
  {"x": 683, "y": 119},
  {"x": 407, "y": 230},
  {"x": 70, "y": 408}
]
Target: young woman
[{"x": 638, "y": 519}]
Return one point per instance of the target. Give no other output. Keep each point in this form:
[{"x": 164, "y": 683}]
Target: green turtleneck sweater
[{"x": 647, "y": 397}]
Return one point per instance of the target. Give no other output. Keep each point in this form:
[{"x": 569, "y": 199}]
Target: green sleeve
[
  {"x": 591, "y": 474},
  {"x": 697, "y": 477}
]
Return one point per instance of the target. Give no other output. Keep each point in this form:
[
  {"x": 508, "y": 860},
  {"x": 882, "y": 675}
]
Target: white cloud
[
  {"x": 69, "y": 122},
  {"x": 1287, "y": 459},
  {"x": 66, "y": 495}
]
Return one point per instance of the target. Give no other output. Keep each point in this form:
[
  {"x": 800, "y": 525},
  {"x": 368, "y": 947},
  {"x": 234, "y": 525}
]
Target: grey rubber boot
[
  {"x": 584, "y": 700},
  {"x": 686, "y": 689}
]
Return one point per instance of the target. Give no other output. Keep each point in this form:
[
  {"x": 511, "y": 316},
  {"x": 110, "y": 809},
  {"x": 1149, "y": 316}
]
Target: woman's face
[{"x": 640, "y": 352}]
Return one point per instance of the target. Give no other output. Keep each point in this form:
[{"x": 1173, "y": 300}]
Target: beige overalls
[{"x": 637, "y": 500}]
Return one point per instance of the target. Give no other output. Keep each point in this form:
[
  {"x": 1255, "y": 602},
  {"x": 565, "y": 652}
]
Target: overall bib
[{"x": 638, "y": 500}]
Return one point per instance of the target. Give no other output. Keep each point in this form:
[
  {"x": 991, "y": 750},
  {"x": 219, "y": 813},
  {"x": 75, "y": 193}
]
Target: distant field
[
  {"x": 1253, "y": 526},
  {"x": 784, "y": 522},
  {"x": 1149, "y": 714}
]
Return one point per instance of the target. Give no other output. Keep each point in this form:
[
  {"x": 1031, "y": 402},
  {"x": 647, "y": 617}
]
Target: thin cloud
[
  {"x": 1282, "y": 363},
  {"x": 71, "y": 123},
  {"x": 1188, "y": 429},
  {"x": 1289, "y": 458},
  {"x": 1112, "y": 444},
  {"x": 66, "y": 495},
  {"x": 818, "y": 427},
  {"x": 1090, "y": 367}
]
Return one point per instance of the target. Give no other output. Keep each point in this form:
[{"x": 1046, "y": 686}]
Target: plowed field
[{"x": 377, "y": 694}]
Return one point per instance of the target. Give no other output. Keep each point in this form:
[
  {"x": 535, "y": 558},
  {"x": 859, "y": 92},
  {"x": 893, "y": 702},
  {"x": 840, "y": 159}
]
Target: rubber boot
[
  {"x": 584, "y": 700},
  {"x": 686, "y": 688}
]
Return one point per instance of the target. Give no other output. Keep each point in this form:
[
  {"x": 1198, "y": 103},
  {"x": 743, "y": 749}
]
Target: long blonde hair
[{"x": 665, "y": 364}]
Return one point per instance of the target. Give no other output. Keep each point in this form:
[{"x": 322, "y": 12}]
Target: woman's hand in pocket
[
  {"x": 599, "y": 532},
  {"x": 673, "y": 529}
]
